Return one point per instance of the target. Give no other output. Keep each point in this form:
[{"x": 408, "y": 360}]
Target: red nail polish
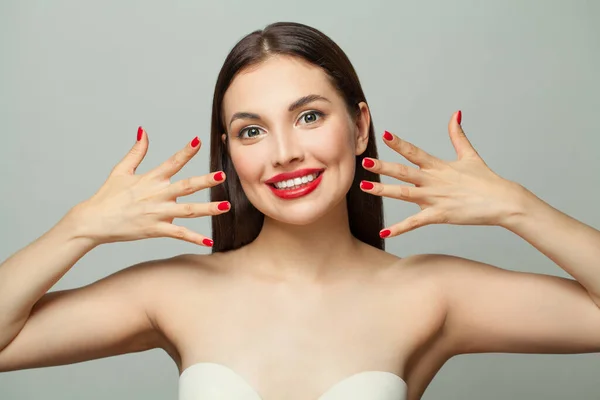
[
  {"x": 207, "y": 242},
  {"x": 140, "y": 133},
  {"x": 219, "y": 176},
  {"x": 368, "y": 163},
  {"x": 195, "y": 142},
  {"x": 459, "y": 117},
  {"x": 384, "y": 233},
  {"x": 223, "y": 206},
  {"x": 387, "y": 136},
  {"x": 366, "y": 185}
]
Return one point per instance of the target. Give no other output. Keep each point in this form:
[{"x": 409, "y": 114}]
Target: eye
[
  {"x": 252, "y": 132},
  {"x": 311, "y": 116}
]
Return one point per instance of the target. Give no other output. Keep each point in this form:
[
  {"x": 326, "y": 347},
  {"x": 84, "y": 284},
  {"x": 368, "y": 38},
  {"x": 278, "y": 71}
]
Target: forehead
[{"x": 274, "y": 84}]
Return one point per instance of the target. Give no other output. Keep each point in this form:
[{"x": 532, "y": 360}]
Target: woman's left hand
[{"x": 461, "y": 192}]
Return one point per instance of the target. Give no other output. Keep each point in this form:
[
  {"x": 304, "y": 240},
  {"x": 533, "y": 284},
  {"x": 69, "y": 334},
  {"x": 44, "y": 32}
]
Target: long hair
[{"x": 242, "y": 224}]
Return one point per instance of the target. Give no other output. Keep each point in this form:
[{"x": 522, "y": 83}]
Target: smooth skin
[{"x": 293, "y": 322}]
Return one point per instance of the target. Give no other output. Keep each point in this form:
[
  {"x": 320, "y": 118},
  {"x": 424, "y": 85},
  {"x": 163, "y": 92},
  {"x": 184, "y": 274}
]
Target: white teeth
[{"x": 294, "y": 183}]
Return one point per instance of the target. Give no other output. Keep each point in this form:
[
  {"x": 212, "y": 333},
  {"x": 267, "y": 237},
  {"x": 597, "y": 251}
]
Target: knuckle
[
  {"x": 179, "y": 232},
  {"x": 174, "y": 162},
  {"x": 405, "y": 192},
  {"x": 413, "y": 223},
  {"x": 153, "y": 232},
  {"x": 402, "y": 170},
  {"x": 186, "y": 186},
  {"x": 135, "y": 151},
  {"x": 188, "y": 210},
  {"x": 410, "y": 149}
]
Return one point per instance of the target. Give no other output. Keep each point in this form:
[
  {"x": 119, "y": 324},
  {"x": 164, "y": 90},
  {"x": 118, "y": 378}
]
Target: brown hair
[{"x": 242, "y": 224}]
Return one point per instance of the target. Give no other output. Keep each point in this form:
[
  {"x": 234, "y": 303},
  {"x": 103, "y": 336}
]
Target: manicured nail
[
  {"x": 223, "y": 206},
  {"x": 459, "y": 117},
  {"x": 387, "y": 136},
  {"x": 384, "y": 233},
  {"x": 207, "y": 242},
  {"x": 366, "y": 185},
  {"x": 195, "y": 142},
  {"x": 368, "y": 163},
  {"x": 219, "y": 176},
  {"x": 140, "y": 133}
]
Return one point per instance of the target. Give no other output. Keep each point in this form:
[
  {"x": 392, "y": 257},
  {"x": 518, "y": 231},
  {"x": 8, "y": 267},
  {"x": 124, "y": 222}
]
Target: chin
[
  {"x": 298, "y": 214},
  {"x": 303, "y": 210}
]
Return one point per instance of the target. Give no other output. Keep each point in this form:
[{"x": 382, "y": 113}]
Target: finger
[
  {"x": 174, "y": 164},
  {"x": 183, "y": 233},
  {"x": 423, "y": 218},
  {"x": 191, "y": 185},
  {"x": 409, "y": 151},
  {"x": 195, "y": 210},
  {"x": 407, "y": 193},
  {"x": 132, "y": 160},
  {"x": 459, "y": 140},
  {"x": 395, "y": 170}
]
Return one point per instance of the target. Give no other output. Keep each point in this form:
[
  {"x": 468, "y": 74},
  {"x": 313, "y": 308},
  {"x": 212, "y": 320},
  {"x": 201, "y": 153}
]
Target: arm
[
  {"x": 494, "y": 310},
  {"x": 489, "y": 309},
  {"x": 28, "y": 274},
  {"x": 105, "y": 318},
  {"x": 572, "y": 245},
  {"x": 113, "y": 315}
]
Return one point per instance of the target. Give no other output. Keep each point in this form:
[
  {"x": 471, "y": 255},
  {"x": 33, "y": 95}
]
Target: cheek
[
  {"x": 334, "y": 143},
  {"x": 245, "y": 165}
]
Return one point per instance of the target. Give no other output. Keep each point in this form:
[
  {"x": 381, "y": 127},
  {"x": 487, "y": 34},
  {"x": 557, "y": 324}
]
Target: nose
[{"x": 286, "y": 149}]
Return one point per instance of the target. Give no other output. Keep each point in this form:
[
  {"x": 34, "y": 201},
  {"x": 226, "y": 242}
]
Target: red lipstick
[
  {"x": 294, "y": 174},
  {"x": 295, "y": 193}
]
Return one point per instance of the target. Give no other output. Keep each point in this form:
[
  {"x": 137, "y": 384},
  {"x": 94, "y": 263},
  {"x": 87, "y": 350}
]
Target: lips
[
  {"x": 294, "y": 174},
  {"x": 287, "y": 194}
]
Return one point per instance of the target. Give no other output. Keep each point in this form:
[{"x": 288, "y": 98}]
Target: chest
[{"x": 296, "y": 342}]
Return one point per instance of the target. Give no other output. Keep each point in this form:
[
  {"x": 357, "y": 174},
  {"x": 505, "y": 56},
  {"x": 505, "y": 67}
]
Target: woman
[{"x": 298, "y": 299}]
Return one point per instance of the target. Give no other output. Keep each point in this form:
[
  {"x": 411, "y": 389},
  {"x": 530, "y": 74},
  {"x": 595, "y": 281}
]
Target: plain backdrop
[{"x": 78, "y": 77}]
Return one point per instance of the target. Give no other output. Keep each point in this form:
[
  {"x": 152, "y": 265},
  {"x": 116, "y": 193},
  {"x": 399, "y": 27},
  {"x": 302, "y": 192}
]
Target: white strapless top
[{"x": 211, "y": 381}]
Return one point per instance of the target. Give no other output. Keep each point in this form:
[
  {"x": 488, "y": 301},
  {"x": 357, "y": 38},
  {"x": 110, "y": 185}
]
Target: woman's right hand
[{"x": 131, "y": 207}]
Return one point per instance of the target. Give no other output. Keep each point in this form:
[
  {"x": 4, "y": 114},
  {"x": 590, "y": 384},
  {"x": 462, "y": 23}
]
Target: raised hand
[
  {"x": 131, "y": 206},
  {"x": 461, "y": 192}
]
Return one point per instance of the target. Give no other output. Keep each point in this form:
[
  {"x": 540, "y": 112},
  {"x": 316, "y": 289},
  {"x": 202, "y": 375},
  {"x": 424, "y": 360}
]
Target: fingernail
[
  {"x": 368, "y": 163},
  {"x": 195, "y": 142},
  {"x": 384, "y": 233},
  {"x": 140, "y": 133},
  {"x": 387, "y": 136},
  {"x": 223, "y": 206},
  {"x": 219, "y": 176},
  {"x": 366, "y": 185},
  {"x": 207, "y": 242},
  {"x": 459, "y": 117}
]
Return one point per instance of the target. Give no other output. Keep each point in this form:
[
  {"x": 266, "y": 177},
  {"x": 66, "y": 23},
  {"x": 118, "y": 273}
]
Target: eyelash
[{"x": 319, "y": 114}]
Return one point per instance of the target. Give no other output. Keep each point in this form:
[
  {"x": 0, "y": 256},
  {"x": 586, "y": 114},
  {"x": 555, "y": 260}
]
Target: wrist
[
  {"x": 76, "y": 226},
  {"x": 519, "y": 207}
]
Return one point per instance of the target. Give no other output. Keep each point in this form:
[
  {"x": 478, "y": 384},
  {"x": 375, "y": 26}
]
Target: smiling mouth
[{"x": 296, "y": 183}]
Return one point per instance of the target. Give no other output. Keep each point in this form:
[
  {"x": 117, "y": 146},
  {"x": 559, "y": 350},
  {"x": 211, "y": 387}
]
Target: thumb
[
  {"x": 134, "y": 157},
  {"x": 461, "y": 144}
]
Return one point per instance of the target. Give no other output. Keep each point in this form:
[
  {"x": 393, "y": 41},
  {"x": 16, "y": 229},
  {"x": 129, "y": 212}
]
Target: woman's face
[{"x": 283, "y": 116}]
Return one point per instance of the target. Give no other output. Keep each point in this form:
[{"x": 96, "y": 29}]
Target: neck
[{"x": 307, "y": 252}]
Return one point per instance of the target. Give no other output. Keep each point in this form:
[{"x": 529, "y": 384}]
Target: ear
[
  {"x": 224, "y": 138},
  {"x": 362, "y": 124}
]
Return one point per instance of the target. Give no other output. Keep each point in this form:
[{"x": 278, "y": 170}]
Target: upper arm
[
  {"x": 105, "y": 318},
  {"x": 495, "y": 310}
]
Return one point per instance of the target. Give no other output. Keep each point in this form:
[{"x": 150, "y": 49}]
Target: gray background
[{"x": 77, "y": 78}]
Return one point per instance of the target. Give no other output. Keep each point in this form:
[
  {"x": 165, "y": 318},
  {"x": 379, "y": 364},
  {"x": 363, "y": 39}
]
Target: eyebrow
[{"x": 302, "y": 101}]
